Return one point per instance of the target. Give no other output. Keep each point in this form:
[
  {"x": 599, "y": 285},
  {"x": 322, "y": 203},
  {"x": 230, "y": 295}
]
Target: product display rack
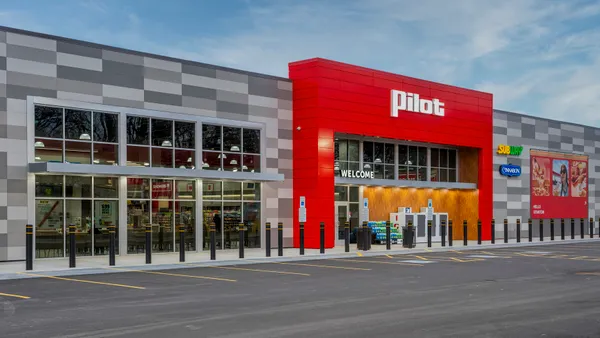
[{"x": 378, "y": 229}]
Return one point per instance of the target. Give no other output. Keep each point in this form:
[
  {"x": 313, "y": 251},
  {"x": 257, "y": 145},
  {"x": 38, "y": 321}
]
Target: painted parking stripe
[
  {"x": 416, "y": 261},
  {"x": 374, "y": 262},
  {"x": 259, "y": 270},
  {"x": 483, "y": 256},
  {"x": 323, "y": 266},
  {"x": 83, "y": 281},
  {"x": 13, "y": 295},
  {"x": 178, "y": 275}
]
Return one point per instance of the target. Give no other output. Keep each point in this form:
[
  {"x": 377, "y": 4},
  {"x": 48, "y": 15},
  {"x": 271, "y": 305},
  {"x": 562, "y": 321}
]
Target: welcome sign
[{"x": 357, "y": 174}]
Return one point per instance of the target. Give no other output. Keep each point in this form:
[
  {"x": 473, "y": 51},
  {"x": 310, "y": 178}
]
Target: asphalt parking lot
[{"x": 532, "y": 291}]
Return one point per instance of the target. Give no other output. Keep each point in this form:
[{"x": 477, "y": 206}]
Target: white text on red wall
[{"x": 414, "y": 103}]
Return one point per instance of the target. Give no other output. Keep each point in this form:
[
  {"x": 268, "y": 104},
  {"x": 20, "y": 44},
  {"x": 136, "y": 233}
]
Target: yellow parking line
[
  {"x": 421, "y": 258},
  {"x": 84, "y": 281},
  {"x": 178, "y": 275},
  {"x": 13, "y": 295},
  {"x": 359, "y": 254},
  {"x": 260, "y": 270},
  {"x": 589, "y": 273},
  {"x": 389, "y": 256},
  {"x": 375, "y": 262},
  {"x": 324, "y": 266}
]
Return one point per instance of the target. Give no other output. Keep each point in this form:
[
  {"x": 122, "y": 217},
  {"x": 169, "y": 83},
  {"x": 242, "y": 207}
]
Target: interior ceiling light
[
  {"x": 367, "y": 166},
  {"x": 96, "y": 161},
  {"x": 377, "y": 160},
  {"x": 235, "y": 169},
  {"x": 166, "y": 143},
  {"x": 37, "y": 158},
  {"x": 222, "y": 156},
  {"x": 244, "y": 167},
  {"x": 146, "y": 164},
  {"x": 85, "y": 136},
  {"x": 189, "y": 159},
  {"x": 235, "y": 148},
  {"x": 233, "y": 162},
  {"x": 181, "y": 167},
  {"x": 205, "y": 165},
  {"x": 39, "y": 144}
]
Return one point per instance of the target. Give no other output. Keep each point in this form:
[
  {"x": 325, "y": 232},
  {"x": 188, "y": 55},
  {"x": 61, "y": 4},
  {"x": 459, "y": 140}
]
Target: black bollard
[
  {"x": 479, "y": 231},
  {"x": 410, "y": 238},
  {"x": 72, "y": 246},
  {"x": 505, "y": 230},
  {"x": 582, "y": 227},
  {"x": 591, "y": 227},
  {"x": 148, "y": 244},
  {"x": 241, "y": 231},
  {"x": 365, "y": 235},
  {"x": 388, "y": 235},
  {"x": 450, "y": 233},
  {"x": 530, "y": 229},
  {"x": 29, "y": 247},
  {"x": 268, "y": 239},
  {"x": 322, "y": 229},
  {"x": 213, "y": 242},
  {"x": 541, "y": 224},
  {"x": 572, "y": 228},
  {"x": 465, "y": 233},
  {"x": 181, "y": 243},
  {"x": 111, "y": 245},
  {"x": 518, "y": 230},
  {"x": 347, "y": 236},
  {"x": 429, "y": 228},
  {"x": 280, "y": 239},
  {"x": 443, "y": 230},
  {"x": 301, "y": 238},
  {"x": 562, "y": 228},
  {"x": 493, "y": 231}
]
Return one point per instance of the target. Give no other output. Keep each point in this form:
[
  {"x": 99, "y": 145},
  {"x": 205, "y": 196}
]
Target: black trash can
[{"x": 408, "y": 237}]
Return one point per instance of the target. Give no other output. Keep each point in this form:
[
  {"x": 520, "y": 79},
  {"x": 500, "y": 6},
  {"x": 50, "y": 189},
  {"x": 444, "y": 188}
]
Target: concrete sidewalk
[{"x": 165, "y": 261}]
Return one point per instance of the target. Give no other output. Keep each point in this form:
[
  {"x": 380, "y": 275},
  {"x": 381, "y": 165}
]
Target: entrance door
[{"x": 341, "y": 217}]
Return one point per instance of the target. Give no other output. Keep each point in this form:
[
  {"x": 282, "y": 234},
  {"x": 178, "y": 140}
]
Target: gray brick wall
[
  {"x": 512, "y": 195},
  {"x": 34, "y": 64}
]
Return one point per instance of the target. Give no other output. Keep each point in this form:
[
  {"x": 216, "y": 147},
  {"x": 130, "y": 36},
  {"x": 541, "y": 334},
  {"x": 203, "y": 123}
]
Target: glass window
[
  {"x": 232, "y": 139},
  {"x": 452, "y": 158},
  {"x": 443, "y": 166},
  {"x": 353, "y": 151},
  {"x": 78, "y": 186},
  {"x": 368, "y": 152},
  {"x": 378, "y": 152},
  {"x": 106, "y": 127},
  {"x": 422, "y": 156},
  {"x": 252, "y": 223},
  {"x": 232, "y": 191},
  {"x": 138, "y": 188},
  {"x": 412, "y": 155},
  {"x": 403, "y": 172},
  {"x": 49, "y": 229},
  {"x": 341, "y": 193},
  {"x": 79, "y": 213},
  {"x": 78, "y": 124},
  {"x": 162, "y": 226},
  {"x": 106, "y": 213},
  {"x": 106, "y": 187},
  {"x": 162, "y": 158},
  {"x": 389, "y": 154},
  {"x": 402, "y": 154},
  {"x": 78, "y": 152},
  {"x": 185, "y": 216},
  {"x": 106, "y": 153},
  {"x": 353, "y": 194},
  {"x": 232, "y": 162},
  {"x": 211, "y": 214},
  {"x": 138, "y": 130},
  {"x": 211, "y": 137},
  {"x": 184, "y": 159},
  {"x": 251, "y": 163},
  {"x": 48, "y": 150},
  {"x": 444, "y": 158},
  {"x": 138, "y": 156},
  {"x": 185, "y": 135},
  {"x": 251, "y": 191},
  {"x": 162, "y": 133},
  {"x": 138, "y": 216},
  {"x": 162, "y": 189},
  {"x": 48, "y": 186},
  {"x": 251, "y": 141},
  {"x": 452, "y": 175},
  {"x": 211, "y": 160},
  {"x": 232, "y": 217},
  {"x": 435, "y": 157},
  {"x": 48, "y": 122},
  {"x": 389, "y": 172},
  {"x": 185, "y": 190},
  {"x": 211, "y": 190}
]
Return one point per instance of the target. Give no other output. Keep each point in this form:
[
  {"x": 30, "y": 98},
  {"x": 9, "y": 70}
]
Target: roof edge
[{"x": 543, "y": 118}]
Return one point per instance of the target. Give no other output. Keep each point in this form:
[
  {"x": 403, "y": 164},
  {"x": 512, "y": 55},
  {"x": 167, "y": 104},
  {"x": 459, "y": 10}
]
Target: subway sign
[
  {"x": 504, "y": 149},
  {"x": 510, "y": 170}
]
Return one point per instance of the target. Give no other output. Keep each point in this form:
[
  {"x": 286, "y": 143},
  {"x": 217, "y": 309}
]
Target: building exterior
[{"x": 98, "y": 136}]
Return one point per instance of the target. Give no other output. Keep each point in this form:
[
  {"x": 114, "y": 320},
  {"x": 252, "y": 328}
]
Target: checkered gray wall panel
[
  {"x": 34, "y": 64},
  {"x": 511, "y": 195}
]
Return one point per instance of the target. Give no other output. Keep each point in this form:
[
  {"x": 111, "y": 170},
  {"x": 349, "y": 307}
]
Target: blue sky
[{"x": 538, "y": 57}]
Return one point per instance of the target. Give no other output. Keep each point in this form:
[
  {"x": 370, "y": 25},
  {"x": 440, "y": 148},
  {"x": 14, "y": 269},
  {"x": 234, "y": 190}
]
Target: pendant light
[
  {"x": 39, "y": 144},
  {"x": 85, "y": 136},
  {"x": 166, "y": 143},
  {"x": 233, "y": 162},
  {"x": 234, "y": 148}
]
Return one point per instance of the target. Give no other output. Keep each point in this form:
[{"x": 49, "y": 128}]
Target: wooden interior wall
[
  {"x": 459, "y": 204},
  {"x": 468, "y": 165}
]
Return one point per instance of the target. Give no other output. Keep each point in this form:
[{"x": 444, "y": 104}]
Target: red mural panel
[
  {"x": 559, "y": 185},
  {"x": 332, "y": 97}
]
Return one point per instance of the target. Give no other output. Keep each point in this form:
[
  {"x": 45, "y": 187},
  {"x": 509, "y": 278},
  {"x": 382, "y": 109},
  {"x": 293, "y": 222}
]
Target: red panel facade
[{"x": 332, "y": 97}]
